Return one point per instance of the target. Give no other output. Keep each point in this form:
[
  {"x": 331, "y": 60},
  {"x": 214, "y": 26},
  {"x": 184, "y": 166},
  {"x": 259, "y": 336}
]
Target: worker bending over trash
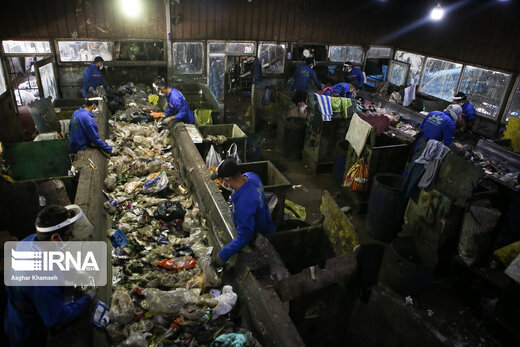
[
  {"x": 84, "y": 130},
  {"x": 92, "y": 77},
  {"x": 250, "y": 211},
  {"x": 178, "y": 108},
  {"x": 441, "y": 126}
]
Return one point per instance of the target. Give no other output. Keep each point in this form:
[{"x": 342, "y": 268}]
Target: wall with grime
[{"x": 483, "y": 32}]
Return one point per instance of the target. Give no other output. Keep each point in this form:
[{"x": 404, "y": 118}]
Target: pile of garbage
[{"x": 166, "y": 291}]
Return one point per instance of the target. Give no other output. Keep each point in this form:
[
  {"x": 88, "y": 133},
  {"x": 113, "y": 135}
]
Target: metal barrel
[{"x": 386, "y": 207}]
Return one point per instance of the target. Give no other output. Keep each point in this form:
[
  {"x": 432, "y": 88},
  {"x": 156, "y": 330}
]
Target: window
[
  {"x": 484, "y": 88},
  {"x": 3, "y": 85},
  {"x": 217, "y": 47},
  {"x": 271, "y": 56},
  {"x": 353, "y": 54},
  {"x": 26, "y": 47},
  {"x": 514, "y": 107},
  {"x": 216, "y": 74},
  {"x": 48, "y": 81},
  {"x": 440, "y": 78},
  {"x": 397, "y": 72},
  {"x": 187, "y": 58},
  {"x": 302, "y": 51},
  {"x": 85, "y": 50},
  {"x": 240, "y": 48},
  {"x": 416, "y": 64},
  {"x": 139, "y": 50},
  {"x": 23, "y": 79},
  {"x": 379, "y": 52}
]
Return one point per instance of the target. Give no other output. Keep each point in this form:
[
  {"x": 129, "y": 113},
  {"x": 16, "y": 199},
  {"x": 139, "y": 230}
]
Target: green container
[{"x": 36, "y": 160}]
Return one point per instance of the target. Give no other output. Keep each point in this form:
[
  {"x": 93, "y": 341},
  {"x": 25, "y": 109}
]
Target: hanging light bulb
[
  {"x": 131, "y": 8},
  {"x": 437, "y": 12}
]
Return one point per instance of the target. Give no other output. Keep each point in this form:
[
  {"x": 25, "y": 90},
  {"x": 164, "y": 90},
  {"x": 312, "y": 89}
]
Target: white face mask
[
  {"x": 96, "y": 110},
  {"x": 228, "y": 188},
  {"x": 101, "y": 67}
]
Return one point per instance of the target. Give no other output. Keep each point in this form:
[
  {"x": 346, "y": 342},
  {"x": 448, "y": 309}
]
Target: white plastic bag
[
  {"x": 232, "y": 153},
  {"x": 226, "y": 302},
  {"x": 213, "y": 158}
]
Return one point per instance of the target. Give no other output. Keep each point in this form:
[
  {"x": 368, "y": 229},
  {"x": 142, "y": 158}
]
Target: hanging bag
[
  {"x": 357, "y": 177},
  {"x": 213, "y": 158},
  {"x": 232, "y": 153}
]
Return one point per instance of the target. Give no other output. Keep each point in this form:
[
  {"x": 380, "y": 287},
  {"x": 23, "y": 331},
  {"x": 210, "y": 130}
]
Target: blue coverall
[
  {"x": 92, "y": 78},
  {"x": 178, "y": 107},
  {"x": 302, "y": 76},
  {"x": 32, "y": 310},
  {"x": 250, "y": 214},
  {"x": 84, "y": 132},
  {"x": 340, "y": 89},
  {"x": 356, "y": 77},
  {"x": 468, "y": 112},
  {"x": 438, "y": 126}
]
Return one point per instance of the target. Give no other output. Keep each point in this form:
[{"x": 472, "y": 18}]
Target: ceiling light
[
  {"x": 437, "y": 12},
  {"x": 131, "y": 8}
]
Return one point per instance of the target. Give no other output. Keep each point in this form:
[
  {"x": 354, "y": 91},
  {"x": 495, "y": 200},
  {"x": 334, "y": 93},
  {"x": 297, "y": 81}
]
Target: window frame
[
  {"x": 421, "y": 72},
  {"x": 363, "y": 54},
  {"x": 511, "y": 96},
  {"x": 391, "y": 56},
  {"x": 60, "y": 62},
  {"x": 426, "y": 57},
  {"x": 254, "y": 53},
  {"x": 204, "y": 65},
  {"x": 398, "y": 62},
  {"x": 285, "y": 45},
  {"x": 29, "y": 54}
]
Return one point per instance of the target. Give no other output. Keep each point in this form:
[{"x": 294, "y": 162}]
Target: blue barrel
[{"x": 386, "y": 207}]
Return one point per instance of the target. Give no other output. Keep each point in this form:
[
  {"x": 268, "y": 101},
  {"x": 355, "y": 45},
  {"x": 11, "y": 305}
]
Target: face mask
[
  {"x": 160, "y": 93},
  {"x": 228, "y": 188},
  {"x": 95, "y": 110},
  {"x": 101, "y": 67}
]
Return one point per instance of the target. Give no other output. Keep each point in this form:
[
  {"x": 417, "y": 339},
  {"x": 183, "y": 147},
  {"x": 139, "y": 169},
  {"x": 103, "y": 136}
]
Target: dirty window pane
[
  {"x": 217, "y": 47},
  {"x": 440, "y": 78},
  {"x": 48, "y": 81},
  {"x": 187, "y": 58},
  {"x": 271, "y": 56},
  {"x": 85, "y": 50},
  {"x": 240, "y": 48},
  {"x": 379, "y": 52},
  {"x": 397, "y": 72},
  {"x": 3, "y": 86},
  {"x": 484, "y": 88},
  {"x": 416, "y": 64},
  {"x": 514, "y": 109},
  {"x": 216, "y": 75},
  {"x": 26, "y": 47},
  {"x": 139, "y": 51},
  {"x": 353, "y": 54}
]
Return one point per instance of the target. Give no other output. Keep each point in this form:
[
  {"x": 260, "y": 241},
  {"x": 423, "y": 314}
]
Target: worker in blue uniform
[
  {"x": 354, "y": 76},
  {"x": 342, "y": 89},
  {"x": 469, "y": 115},
  {"x": 83, "y": 129},
  {"x": 177, "y": 108},
  {"x": 34, "y": 311},
  {"x": 92, "y": 76},
  {"x": 441, "y": 126},
  {"x": 304, "y": 74},
  {"x": 250, "y": 211}
]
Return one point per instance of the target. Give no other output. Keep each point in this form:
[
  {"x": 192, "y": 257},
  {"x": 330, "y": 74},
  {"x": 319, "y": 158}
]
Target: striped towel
[{"x": 325, "y": 106}]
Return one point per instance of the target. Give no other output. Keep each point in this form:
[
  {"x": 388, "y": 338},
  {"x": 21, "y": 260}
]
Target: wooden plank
[
  {"x": 203, "y": 20},
  {"x": 70, "y": 17},
  {"x": 99, "y": 15},
  {"x": 81, "y": 19},
  {"x": 239, "y": 15},
  {"x": 255, "y": 18},
  {"x": 61, "y": 20}
]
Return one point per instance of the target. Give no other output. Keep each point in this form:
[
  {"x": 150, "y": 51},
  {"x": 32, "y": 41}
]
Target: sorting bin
[
  {"x": 274, "y": 181},
  {"x": 386, "y": 207},
  {"x": 233, "y": 134},
  {"x": 291, "y": 136}
]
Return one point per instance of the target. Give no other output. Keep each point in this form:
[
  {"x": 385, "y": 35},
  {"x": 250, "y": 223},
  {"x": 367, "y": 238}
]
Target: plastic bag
[
  {"x": 110, "y": 182},
  {"x": 136, "y": 340},
  {"x": 357, "y": 177},
  {"x": 211, "y": 280},
  {"x": 226, "y": 302},
  {"x": 475, "y": 236},
  {"x": 213, "y": 158},
  {"x": 177, "y": 263},
  {"x": 169, "y": 302},
  {"x": 168, "y": 211},
  {"x": 122, "y": 306},
  {"x": 232, "y": 153},
  {"x": 155, "y": 182}
]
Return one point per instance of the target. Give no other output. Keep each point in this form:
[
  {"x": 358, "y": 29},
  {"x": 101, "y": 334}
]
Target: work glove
[
  {"x": 218, "y": 262},
  {"x": 91, "y": 293}
]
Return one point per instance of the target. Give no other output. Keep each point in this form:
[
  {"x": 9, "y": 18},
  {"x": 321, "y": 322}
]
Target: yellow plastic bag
[
  {"x": 153, "y": 99},
  {"x": 357, "y": 177},
  {"x": 295, "y": 210}
]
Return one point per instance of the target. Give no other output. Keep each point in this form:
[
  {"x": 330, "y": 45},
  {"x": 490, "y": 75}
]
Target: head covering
[
  {"x": 455, "y": 111},
  {"x": 227, "y": 168},
  {"x": 309, "y": 60},
  {"x": 347, "y": 64},
  {"x": 74, "y": 213},
  {"x": 459, "y": 96}
]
